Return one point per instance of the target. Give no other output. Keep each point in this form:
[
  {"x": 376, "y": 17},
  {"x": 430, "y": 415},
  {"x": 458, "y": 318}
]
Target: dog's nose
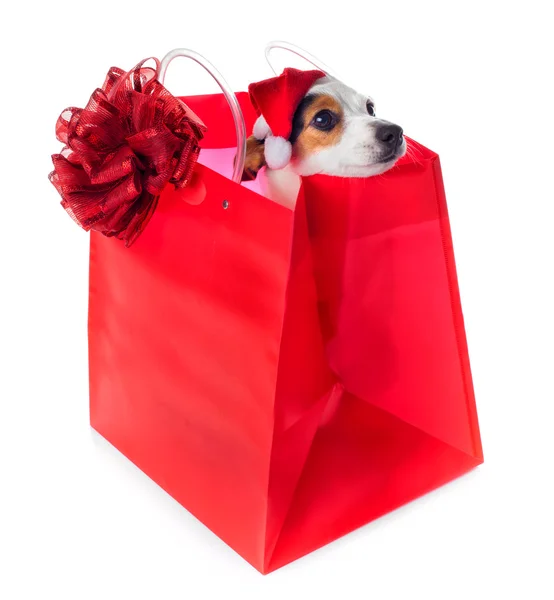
[{"x": 390, "y": 134}]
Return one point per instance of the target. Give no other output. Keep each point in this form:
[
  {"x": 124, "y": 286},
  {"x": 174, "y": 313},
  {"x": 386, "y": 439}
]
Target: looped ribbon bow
[{"x": 121, "y": 150}]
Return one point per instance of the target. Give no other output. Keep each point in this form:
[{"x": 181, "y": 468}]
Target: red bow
[{"x": 131, "y": 140}]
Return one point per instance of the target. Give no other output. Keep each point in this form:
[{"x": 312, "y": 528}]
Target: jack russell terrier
[{"x": 312, "y": 123}]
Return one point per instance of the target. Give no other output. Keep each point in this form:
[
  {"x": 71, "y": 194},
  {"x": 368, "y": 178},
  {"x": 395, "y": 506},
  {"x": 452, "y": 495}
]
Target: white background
[{"x": 472, "y": 80}]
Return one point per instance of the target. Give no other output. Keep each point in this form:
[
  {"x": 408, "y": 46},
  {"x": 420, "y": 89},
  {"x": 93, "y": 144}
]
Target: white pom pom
[
  {"x": 277, "y": 152},
  {"x": 261, "y": 129}
]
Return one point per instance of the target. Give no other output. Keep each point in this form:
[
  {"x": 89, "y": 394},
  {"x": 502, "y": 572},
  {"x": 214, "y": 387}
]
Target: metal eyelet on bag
[{"x": 225, "y": 204}]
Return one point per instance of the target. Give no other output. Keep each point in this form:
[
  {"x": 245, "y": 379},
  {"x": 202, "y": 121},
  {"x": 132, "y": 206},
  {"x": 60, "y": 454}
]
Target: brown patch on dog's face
[
  {"x": 318, "y": 124},
  {"x": 255, "y": 158}
]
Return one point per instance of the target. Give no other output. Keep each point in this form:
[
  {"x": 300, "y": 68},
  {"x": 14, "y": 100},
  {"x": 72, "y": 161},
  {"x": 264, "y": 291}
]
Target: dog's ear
[{"x": 255, "y": 158}]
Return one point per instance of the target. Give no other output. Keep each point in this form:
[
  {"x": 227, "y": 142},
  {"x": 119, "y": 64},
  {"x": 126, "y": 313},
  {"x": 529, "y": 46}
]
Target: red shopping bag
[{"x": 286, "y": 375}]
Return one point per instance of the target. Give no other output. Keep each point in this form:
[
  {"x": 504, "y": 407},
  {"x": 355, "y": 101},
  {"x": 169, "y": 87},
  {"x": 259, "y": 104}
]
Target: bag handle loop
[
  {"x": 238, "y": 117},
  {"x": 299, "y": 52}
]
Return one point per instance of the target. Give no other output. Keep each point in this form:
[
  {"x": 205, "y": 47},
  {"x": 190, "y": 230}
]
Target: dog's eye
[
  {"x": 370, "y": 108},
  {"x": 324, "y": 120}
]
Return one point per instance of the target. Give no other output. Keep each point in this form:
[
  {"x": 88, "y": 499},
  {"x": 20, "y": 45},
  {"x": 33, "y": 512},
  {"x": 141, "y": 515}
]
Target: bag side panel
[
  {"x": 390, "y": 308},
  {"x": 184, "y": 343}
]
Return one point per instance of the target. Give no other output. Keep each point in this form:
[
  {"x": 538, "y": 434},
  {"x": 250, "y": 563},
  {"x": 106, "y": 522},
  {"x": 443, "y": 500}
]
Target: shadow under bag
[{"x": 286, "y": 375}]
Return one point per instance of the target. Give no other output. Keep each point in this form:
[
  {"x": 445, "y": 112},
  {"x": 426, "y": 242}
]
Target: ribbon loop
[{"x": 131, "y": 140}]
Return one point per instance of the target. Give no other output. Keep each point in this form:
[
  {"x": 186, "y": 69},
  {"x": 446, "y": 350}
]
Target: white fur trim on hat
[
  {"x": 277, "y": 152},
  {"x": 261, "y": 129}
]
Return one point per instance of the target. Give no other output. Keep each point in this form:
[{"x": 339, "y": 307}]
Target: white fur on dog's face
[{"x": 351, "y": 147}]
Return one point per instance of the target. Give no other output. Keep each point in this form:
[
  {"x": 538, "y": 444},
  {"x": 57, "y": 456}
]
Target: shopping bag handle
[
  {"x": 299, "y": 52},
  {"x": 238, "y": 117}
]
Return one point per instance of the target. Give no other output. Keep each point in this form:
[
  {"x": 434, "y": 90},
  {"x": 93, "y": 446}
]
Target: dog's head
[{"x": 335, "y": 131}]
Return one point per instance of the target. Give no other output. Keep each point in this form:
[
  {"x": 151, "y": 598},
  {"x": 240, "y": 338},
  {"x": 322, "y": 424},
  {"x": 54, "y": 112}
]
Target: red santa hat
[{"x": 276, "y": 101}]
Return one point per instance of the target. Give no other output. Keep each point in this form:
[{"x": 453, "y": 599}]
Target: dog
[{"x": 334, "y": 131}]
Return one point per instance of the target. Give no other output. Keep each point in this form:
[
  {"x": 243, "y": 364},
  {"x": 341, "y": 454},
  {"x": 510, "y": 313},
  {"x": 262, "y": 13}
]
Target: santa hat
[{"x": 276, "y": 101}]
